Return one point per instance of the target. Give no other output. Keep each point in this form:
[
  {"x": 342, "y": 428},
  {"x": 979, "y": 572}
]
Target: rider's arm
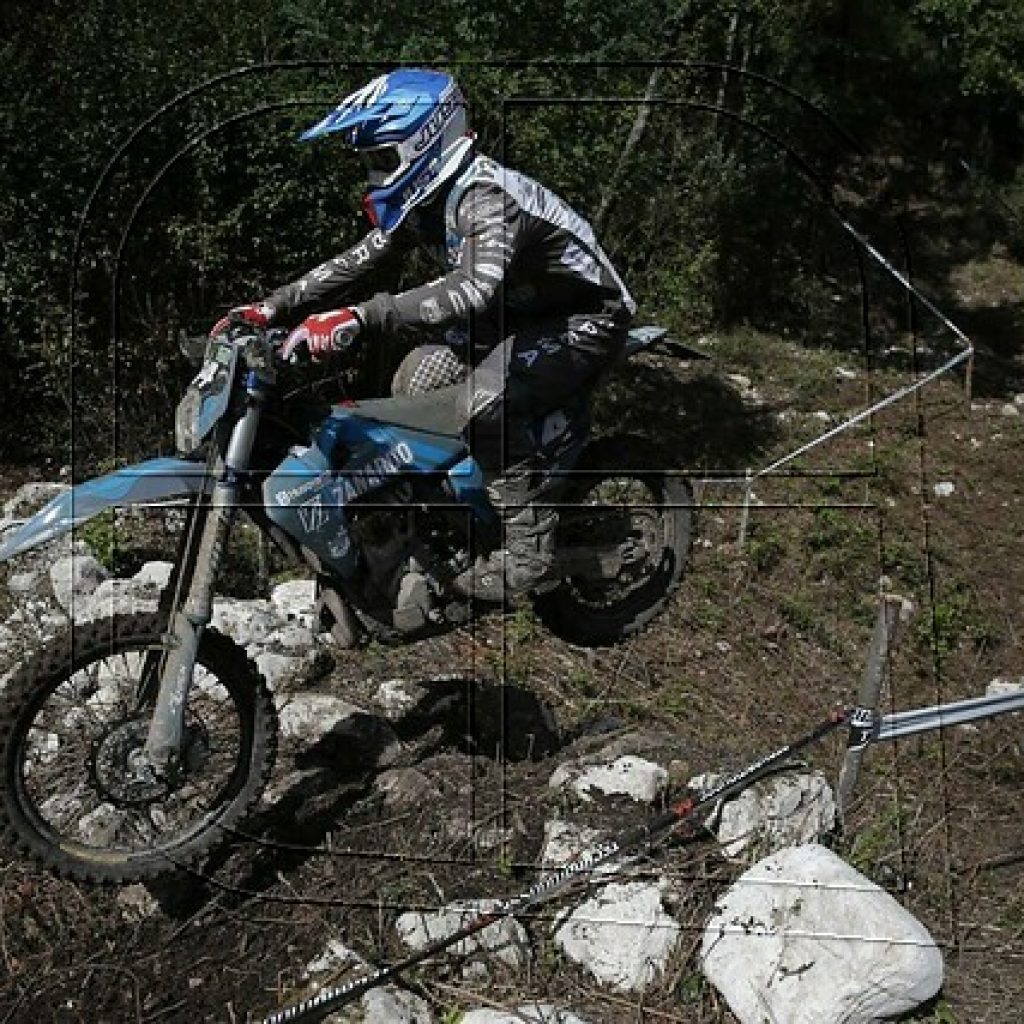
[
  {"x": 491, "y": 223},
  {"x": 330, "y": 284}
]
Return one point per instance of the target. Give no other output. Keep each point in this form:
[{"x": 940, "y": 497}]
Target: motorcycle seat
[{"x": 433, "y": 412}]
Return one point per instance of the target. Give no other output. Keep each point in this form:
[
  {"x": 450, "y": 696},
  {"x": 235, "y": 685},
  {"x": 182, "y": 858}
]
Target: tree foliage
[{"x": 212, "y": 202}]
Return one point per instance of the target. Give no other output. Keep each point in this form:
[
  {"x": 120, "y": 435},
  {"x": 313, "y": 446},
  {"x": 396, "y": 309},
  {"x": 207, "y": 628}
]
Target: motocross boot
[{"x": 526, "y": 557}]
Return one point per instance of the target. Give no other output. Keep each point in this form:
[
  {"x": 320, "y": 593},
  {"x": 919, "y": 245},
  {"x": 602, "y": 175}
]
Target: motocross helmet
[{"x": 411, "y": 130}]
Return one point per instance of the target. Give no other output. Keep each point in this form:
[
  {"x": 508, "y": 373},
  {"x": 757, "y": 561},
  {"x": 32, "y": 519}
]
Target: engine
[{"x": 409, "y": 555}]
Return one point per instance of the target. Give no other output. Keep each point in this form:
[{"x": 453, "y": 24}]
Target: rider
[{"x": 526, "y": 282}]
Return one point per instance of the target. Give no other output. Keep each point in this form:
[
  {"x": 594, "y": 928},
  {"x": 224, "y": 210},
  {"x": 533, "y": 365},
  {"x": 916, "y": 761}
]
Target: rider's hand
[
  {"x": 324, "y": 333},
  {"x": 259, "y": 314}
]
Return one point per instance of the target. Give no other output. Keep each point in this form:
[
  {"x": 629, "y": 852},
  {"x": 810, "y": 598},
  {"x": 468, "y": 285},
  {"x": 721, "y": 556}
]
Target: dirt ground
[{"x": 760, "y": 641}]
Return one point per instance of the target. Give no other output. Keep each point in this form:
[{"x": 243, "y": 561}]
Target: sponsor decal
[
  {"x": 374, "y": 473},
  {"x": 436, "y": 122},
  {"x": 862, "y": 728},
  {"x": 299, "y": 490},
  {"x": 312, "y": 514}
]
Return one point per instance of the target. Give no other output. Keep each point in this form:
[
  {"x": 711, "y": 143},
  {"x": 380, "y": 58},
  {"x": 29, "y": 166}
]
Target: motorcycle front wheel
[
  {"x": 644, "y": 517},
  {"x": 77, "y": 794}
]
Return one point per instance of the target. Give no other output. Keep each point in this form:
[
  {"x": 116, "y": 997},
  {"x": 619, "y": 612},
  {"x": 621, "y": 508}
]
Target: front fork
[{"x": 191, "y": 616}]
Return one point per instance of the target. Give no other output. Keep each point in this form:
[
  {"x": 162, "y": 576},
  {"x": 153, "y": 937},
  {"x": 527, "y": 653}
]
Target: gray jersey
[{"x": 512, "y": 249}]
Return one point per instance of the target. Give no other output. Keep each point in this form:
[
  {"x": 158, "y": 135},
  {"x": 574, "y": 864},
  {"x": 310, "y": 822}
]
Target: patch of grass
[
  {"x": 956, "y": 618},
  {"x": 100, "y": 533},
  {"x": 877, "y": 840},
  {"x": 765, "y": 547}
]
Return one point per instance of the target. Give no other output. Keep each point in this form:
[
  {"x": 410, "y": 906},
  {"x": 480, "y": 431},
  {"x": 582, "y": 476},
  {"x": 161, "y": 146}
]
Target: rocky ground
[{"x": 414, "y": 783}]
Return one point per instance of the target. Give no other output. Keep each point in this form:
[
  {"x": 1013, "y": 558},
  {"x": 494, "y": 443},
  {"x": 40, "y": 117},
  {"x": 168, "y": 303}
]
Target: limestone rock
[
  {"x": 279, "y": 668},
  {"x": 621, "y": 935},
  {"x": 294, "y": 600},
  {"x": 803, "y": 938},
  {"x": 248, "y": 623},
  {"x": 782, "y": 810},
  {"x": 334, "y": 958},
  {"x": 136, "y": 903},
  {"x": 505, "y": 941},
  {"x": 406, "y": 787},
  {"x": 1001, "y": 685},
  {"x": 308, "y": 716},
  {"x": 340, "y": 734},
  {"x": 153, "y": 576},
  {"x": 634, "y": 777},
  {"x": 75, "y": 578},
  {"x": 397, "y": 697},
  {"x": 534, "y": 1013},
  {"x": 391, "y": 1005},
  {"x": 30, "y": 498},
  {"x": 564, "y": 841},
  {"x": 116, "y": 597}
]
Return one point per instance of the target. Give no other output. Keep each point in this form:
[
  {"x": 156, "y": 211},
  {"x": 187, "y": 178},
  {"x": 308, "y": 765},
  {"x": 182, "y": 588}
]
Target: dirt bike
[{"x": 133, "y": 745}]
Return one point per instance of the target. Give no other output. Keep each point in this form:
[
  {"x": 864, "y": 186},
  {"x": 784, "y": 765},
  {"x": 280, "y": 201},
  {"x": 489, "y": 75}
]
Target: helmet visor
[{"x": 381, "y": 163}]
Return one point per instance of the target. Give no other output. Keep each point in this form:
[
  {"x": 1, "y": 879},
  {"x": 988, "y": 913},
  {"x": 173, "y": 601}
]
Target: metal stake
[{"x": 892, "y": 610}]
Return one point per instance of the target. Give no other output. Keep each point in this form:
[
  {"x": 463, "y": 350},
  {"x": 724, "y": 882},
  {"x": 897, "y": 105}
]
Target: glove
[
  {"x": 324, "y": 333},
  {"x": 259, "y": 314}
]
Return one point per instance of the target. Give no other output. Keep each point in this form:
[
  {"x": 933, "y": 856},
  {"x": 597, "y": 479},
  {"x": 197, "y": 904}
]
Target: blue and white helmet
[{"x": 410, "y": 128}]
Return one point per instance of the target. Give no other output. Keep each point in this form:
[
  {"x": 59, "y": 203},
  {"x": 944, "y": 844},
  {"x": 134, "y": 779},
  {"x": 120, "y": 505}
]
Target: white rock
[
  {"x": 26, "y": 584},
  {"x": 822, "y": 416},
  {"x": 75, "y": 578},
  {"x": 392, "y": 1005},
  {"x": 999, "y": 685},
  {"x": 30, "y": 498},
  {"x": 278, "y": 788},
  {"x": 279, "y": 668},
  {"x": 621, "y": 935},
  {"x": 804, "y": 938},
  {"x": 844, "y": 373},
  {"x": 247, "y": 622},
  {"x": 153, "y": 576},
  {"x": 535, "y": 1013},
  {"x": 308, "y": 716},
  {"x": 292, "y": 638},
  {"x": 136, "y": 903},
  {"x": 295, "y": 600},
  {"x": 564, "y": 841},
  {"x": 741, "y": 381},
  {"x": 944, "y": 489},
  {"x": 635, "y": 777},
  {"x": 406, "y": 787},
  {"x": 98, "y": 827},
  {"x": 505, "y": 941},
  {"x": 1018, "y": 399},
  {"x": 113, "y": 597},
  {"x": 1010, "y": 409},
  {"x": 335, "y": 956},
  {"x": 396, "y": 697},
  {"x": 783, "y": 810}
]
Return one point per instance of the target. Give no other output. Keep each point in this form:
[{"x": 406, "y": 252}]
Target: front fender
[{"x": 146, "y": 482}]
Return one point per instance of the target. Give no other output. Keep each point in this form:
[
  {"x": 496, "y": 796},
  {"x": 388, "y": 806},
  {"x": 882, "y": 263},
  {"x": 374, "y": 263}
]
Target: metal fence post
[{"x": 893, "y": 610}]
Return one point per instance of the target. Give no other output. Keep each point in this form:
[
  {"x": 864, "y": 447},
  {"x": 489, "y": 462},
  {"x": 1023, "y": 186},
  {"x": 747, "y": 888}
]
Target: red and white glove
[
  {"x": 324, "y": 333},
  {"x": 259, "y": 314}
]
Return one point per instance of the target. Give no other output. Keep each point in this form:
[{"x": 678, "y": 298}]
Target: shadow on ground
[{"x": 331, "y": 783}]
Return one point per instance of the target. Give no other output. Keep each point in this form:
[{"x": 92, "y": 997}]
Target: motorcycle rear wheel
[
  {"x": 648, "y": 512},
  {"x": 75, "y": 794}
]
